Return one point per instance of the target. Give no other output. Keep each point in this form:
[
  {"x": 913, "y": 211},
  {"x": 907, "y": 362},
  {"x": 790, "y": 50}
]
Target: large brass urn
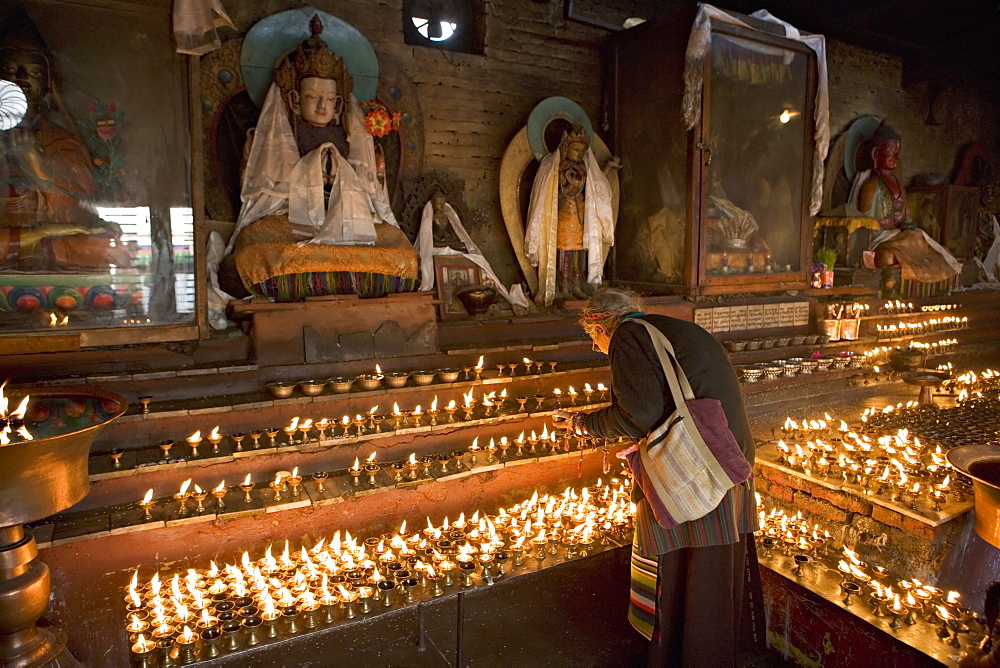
[{"x": 43, "y": 470}]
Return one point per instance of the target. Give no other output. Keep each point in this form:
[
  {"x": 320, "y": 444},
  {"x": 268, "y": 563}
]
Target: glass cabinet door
[
  {"x": 96, "y": 224},
  {"x": 755, "y": 162}
]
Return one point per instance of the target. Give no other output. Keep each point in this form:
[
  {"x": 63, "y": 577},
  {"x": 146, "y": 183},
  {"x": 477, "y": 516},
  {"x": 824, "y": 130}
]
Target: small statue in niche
[
  {"x": 46, "y": 173},
  {"x": 878, "y": 194},
  {"x": 442, "y": 233},
  {"x": 569, "y": 217},
  {"x": 311, "y": 188}
]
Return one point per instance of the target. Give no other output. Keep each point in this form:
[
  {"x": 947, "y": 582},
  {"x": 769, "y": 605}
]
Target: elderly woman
[{"x": 696, "y": 587}]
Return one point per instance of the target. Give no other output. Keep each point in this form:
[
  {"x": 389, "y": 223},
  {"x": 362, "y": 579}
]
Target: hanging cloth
[
  {"x": 195, "y": 24},
  {"x": 694, "y": 78}
]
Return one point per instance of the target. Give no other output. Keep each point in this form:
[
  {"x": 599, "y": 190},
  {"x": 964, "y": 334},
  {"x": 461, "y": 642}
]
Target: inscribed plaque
[
  {"x": 703, "y": 318},
  {"x": 772, "y": 315},
  {"x": 786, "y": 314},
  {"x": 720, "y": 319},
  {"x": 737, "y": 318},
  {"x": 755, "y": 316}
]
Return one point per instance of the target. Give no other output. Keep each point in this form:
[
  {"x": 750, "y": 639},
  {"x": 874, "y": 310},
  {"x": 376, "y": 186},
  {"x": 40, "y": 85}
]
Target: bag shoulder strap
[{"x": 680, "y": 388}]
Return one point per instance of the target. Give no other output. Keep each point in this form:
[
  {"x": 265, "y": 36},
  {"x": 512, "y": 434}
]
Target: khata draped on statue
[
  {"x": 311, "y": 188},
  {"x": 442, "y": 233},
  {"x": 569, "y": 218}
]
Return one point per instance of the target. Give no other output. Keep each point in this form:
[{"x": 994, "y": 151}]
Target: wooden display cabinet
[{"x": 691, "y": 199}]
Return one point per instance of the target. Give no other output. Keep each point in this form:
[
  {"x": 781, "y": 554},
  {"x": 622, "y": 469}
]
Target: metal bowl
[
  {"x": 766, "y": 344},
  {"x": 752, "y": 374},
  {"x": 48, "y": 474},
  {"x": 311, "y": 388},
  {"x": 799, "y": 340},
  {"x": 340, "y": 384},
  {"x": 808, "y": 366},
  {"x": 811, "y": 339},
  {"x": 423, "y": 377},
  {"x": 735, "y": 346},
  {"x": 772, "y": 372},
  {"x": 841, "y": 362},
  {"x": 280, "y": 389},
  {"x": 753, "y": 344},
  {"x": 369, "y": 381},
  {"x": 396, "y": 378},
  {"x": 782, "y": 341},
  {"x": 448, "y": 375}
]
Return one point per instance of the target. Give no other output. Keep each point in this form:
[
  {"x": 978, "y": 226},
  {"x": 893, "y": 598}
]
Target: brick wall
[{"x": 474, "y": 105}]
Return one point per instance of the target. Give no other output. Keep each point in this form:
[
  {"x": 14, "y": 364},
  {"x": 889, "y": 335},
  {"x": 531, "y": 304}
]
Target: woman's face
[{"x": 601, "y": 338}]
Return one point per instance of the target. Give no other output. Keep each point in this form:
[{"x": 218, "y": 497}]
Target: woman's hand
[
  {"x": 627, "y": 451},
  {"x": 562, "y": 419}
]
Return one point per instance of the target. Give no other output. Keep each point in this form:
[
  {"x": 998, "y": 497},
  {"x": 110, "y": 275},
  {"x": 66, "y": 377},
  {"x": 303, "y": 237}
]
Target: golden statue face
[
  {"x": 27, "y": 70},
  {"x": 319, "y": 103},
  {"x": 574, "y": 151}
]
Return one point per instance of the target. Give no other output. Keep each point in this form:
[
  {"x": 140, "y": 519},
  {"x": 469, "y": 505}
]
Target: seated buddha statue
[
  {"x": 312, "y": 200},
  {"x": 46, "y": 175},
  {"x": 878, "y": 194}
]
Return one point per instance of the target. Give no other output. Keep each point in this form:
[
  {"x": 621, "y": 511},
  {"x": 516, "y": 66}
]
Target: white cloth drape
[
  {"x": 991, "y": 265},
  {"x": 543, "y": 217},
  {"x": 195, "y": 24},
  {"x": 426, "y": 250},
  {"x": 277, "y": 181},
  {"x": 694, "y": 60}
]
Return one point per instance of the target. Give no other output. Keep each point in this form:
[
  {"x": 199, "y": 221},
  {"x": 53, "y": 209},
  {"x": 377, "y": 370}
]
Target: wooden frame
[
  {"x": 680, "y": 186},
  {"x": 19, "y": 342},
  {"x": 948, "y": 214},
  {"x": 452, "y": 273},
  {"x": 700, "y": 282}
]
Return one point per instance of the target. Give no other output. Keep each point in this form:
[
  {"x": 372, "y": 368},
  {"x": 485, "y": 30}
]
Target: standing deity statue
[{"x": 569, "y": 218}]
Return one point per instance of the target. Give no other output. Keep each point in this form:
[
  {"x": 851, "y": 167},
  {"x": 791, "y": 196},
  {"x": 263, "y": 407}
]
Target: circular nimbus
[{"x": 13, "y": 105}]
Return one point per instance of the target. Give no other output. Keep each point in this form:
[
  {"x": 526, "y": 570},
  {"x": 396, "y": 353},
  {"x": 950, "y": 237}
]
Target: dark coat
[{"x": 640, "y": 397}]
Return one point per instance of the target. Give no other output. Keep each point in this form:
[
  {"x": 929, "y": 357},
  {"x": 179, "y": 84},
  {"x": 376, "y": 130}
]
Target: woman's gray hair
[{"x": 607, "y": 308}]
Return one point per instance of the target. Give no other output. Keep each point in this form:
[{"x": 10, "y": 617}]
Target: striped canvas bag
[{"x": 687, "y": 464}]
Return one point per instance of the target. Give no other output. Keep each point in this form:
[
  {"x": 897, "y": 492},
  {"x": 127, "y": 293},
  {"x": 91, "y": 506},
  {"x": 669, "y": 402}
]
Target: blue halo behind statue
[
  {"x": 271, "y": 38},
  {"x": 547, "y": 110},
  {"x": 861, "y": 129}
]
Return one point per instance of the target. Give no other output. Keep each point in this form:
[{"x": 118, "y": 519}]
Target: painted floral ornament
[{"x": 379, "y": 121}]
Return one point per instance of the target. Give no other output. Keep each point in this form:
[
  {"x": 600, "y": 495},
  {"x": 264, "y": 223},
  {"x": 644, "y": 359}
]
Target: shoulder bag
[{"x": 686, "y": 465}]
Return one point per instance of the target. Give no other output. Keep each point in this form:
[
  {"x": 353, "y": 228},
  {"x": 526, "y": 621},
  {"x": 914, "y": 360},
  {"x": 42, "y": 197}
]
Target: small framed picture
[{"x": 451, "y": 274}]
